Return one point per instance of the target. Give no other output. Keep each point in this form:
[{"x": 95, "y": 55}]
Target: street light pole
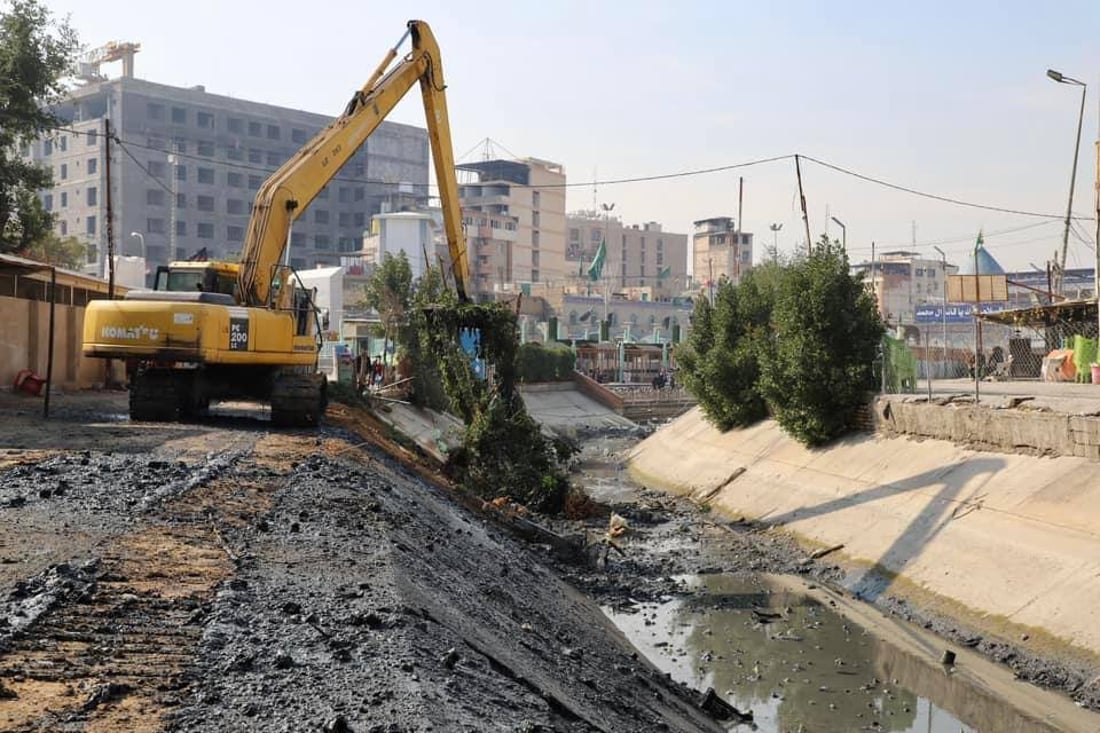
[
  {"x": 607, "y": 208},
  {"x": 843, "y": 233},
  {"x": 775, "y": 227},
  {"x": 943, "y": 309},
  {"x": 141, "y": 238},
  {"x": 1063, "y": 79}
]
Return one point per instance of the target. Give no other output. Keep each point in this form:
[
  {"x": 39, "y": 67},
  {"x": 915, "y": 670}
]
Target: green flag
[{"x": 596, "y": 267}]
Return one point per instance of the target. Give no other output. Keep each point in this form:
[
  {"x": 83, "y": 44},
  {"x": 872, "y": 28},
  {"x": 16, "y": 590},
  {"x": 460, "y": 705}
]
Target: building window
[
  {"x": 344, "y": 218},
  {"x": 205, "y": 120},
  {"x": 47, "y": 147},
  {"x": 274, "y": 158},
  {"x": 255, "y": 156},
  {"x": 93, "y": 164},
  {"x": 47, "y": 202},
  {"x": 156, "y": 168},
  {"x": 534, "y": 239},
  {"x": 535, "y": 199},
  {"x": 597, "y": 236},
  {"x": 320, "y": 216},
  {"x": 323, "y": 193},
  {"x": 154, "y": 197},
  {"x": 234, "y": 153},
  {"x": 179, "y": 115},
  {"x": 297, "y": 239},
  {"x": 90, "y": 192},
  {"x": 574, "y": 235},
  {"x": 534, "y": 259},
  {"x": 154, "y": 226},
  {"x": 234, "y": 206},
  {"x": 205, "y": 230},
  {"x": 63, "y": 227},
  {"x": 322, "y": 241},
  {"x": 154, "y": 111},
  {"x": 205, "y": 148},
  {"x": 234, "y": 233},
  {"x": 297, "y": 136},
  {"x": 204, "y": 203},
  {"x": 344, "y": 195},
  {"x": 206, "y": 175},
  {"x": 179, "y": 145},
  {"x": 181, "y": 173},
  {"x": 534, "y": 276},
  {"x": 64, "y": 171},
  {"x": 534, "y": 218},
  {"x": 181, "y": 228},
  {"x": 255, "y": 129},
  {"x": 348, "y": 244},
  {"x": 359, "y": 219},
  {"x": 236, "y": 180},
  {"x": 91, "y": 137},
  {"x": 360, "y": 194},
  {"x": 254, "y": 182},
  {"x": 181, "y": 201},
  {"x": 235, "y": 124},
  {"x": 89, "y": 225},
  {"x": 64, "y": 199},
  {"x": 273, "y": 132}
]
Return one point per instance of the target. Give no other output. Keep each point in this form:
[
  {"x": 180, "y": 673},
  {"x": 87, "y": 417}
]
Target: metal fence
[{"x": 1062, "y": 351}]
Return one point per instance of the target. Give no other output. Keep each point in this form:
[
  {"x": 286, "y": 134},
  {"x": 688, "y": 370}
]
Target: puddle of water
[{"x": 800, "y": 666}]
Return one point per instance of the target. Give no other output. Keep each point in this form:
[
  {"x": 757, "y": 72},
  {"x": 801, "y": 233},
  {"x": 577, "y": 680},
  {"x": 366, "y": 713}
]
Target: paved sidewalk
[{"x": 1063, "y": 397}]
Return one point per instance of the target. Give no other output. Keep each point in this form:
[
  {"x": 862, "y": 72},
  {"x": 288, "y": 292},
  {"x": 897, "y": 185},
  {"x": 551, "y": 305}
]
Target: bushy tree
[
  {"x": 827, "y": 333},
  {"x": 36, "y": 52},
  {"x": 720, "y": 362},
  {"x": 389, "y": 293}
]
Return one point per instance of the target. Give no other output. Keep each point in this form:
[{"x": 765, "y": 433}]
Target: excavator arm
[{"x": 284, "y": 196}]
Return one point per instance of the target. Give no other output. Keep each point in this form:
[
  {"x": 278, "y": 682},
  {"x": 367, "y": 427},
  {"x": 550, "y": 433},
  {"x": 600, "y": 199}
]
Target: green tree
[
  {"x": 427, "y": 388},
  {"x": 36, "y": 51},
  {"x": 68, "y": 252},
  {"x": 389, "y": 292},
  {"x": 827, "y": 333},
  {"x": 720, "y": 362}
]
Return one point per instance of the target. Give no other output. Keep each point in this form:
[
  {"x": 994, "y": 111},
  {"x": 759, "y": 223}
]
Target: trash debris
[
  {"x": 617, "y": 526},
  {"x": 719, "y": 709}
]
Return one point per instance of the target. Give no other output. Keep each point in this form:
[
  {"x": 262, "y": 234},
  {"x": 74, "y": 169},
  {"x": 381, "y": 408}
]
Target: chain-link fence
[{"x": 1063, "y": 351}]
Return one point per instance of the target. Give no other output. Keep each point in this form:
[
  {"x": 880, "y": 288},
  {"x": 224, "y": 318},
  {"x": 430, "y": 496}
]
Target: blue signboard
[{"x": 956, "y": 312}]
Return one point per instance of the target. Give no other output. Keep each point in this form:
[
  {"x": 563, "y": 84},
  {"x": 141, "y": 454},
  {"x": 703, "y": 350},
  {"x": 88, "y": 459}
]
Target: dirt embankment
[{"x": 224, "y": 577}]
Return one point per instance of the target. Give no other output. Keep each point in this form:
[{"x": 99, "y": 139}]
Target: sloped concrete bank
[{"x": 1008, "y": 544}]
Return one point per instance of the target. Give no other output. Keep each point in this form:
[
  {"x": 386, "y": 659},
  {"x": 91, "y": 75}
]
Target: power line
[
  {"x": 924, "y": 194},
  {"x": 142, "y": 167}
]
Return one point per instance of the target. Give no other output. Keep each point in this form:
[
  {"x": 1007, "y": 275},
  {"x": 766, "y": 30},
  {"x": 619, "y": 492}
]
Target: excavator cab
[{"x": 205, "y": 277}]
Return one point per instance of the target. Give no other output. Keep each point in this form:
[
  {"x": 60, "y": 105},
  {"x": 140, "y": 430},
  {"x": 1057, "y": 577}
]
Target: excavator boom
[{"x": 285, "y": 195}]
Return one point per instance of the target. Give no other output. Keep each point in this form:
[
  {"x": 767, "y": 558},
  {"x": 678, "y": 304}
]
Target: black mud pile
[{"x": 366, "y": 601}]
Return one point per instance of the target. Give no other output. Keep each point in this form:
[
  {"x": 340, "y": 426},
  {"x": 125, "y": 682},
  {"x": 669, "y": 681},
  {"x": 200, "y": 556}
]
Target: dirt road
[{"x": 227, "y": 577}]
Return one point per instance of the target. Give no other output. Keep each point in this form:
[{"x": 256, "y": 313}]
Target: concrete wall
[
  {"x": 25, "y": 344},
  {"x": 1029, "y": 431},
  {"x": 1007, "y": 542}
]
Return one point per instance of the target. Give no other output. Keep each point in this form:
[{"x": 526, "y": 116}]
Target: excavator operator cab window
[{"x": 205, "y": 279}]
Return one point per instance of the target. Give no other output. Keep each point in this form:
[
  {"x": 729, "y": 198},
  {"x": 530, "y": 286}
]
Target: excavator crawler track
[
  {"x": 153, "y": 396},
  {"x": 298, "y": 399}
]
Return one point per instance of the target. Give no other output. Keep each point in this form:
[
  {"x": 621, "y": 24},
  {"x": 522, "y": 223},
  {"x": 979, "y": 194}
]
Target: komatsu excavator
[{"x": 248, "y": 329}]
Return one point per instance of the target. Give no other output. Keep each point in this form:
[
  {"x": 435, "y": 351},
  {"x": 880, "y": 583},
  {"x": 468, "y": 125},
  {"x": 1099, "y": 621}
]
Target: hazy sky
[{"x": 945, "y": 97}]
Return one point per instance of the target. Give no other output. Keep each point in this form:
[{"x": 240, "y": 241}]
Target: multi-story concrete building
[
  {"x": 719, "y": 250},
  {"x": 902, "y": 281},
  {"x": 188, "y": 166},
  {"x": 528, "y": 195},
  {"x": 642, "y": 258}
]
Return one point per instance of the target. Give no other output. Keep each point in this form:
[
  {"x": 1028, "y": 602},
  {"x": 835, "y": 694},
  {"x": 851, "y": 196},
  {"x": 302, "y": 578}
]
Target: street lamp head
[
  {"x": 838, "y": 221},
  {"x": 607, "y": 207},
  {"x": 1055, "y": 75},
  {"x": 776, "y": 227},
  {"x": 135, "y": 234}
]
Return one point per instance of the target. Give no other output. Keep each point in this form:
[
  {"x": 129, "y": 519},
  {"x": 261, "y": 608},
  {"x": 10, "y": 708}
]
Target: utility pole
[
  {"x": 174, "y": 204},
  {"x": 110, "y": 229},
  {"x": 977, "y": 322},
  {"x": 737, "y": 252},
  {"x": 802, "y": 198},
  {"x": 943, "y": 309}
]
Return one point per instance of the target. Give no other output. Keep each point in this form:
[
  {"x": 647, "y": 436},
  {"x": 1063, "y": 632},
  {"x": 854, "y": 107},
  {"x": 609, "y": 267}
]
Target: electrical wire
[
  {"x": 935, "y": 197},
  {"x": 142, "y": 167}
]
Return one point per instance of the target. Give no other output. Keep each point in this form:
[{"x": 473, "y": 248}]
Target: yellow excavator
[{"x": 248, "y": 329}]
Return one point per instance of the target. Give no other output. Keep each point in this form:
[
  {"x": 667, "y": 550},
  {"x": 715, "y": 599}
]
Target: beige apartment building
[
  {"x": 643, "y": 261},
  {"x": 720, "y": 251},
  {"x": 515, "y": 222}
]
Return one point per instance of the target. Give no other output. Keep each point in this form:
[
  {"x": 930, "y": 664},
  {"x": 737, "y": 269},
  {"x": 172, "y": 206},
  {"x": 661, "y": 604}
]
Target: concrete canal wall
[{"x": 1007, "y": 541}]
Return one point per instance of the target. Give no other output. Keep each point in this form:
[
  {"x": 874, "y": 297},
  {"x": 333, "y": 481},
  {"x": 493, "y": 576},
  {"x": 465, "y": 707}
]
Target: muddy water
[
  {"x": 798, "y": 665},
  {"x": 765, "y": 645}
]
